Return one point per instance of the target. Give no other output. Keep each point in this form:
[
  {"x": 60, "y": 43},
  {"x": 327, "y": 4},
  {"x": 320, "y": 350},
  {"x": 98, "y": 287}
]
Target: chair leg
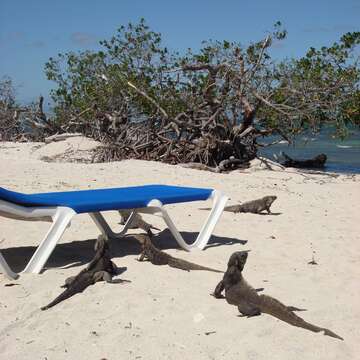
[
  {"x": 219, "y": 201},
  {"x": 128, "y": 223},
  {"x": 174, "y": 230},
  {"x": 106, "y": 230},
  {"x": 5, "y": 269},
  {"x": 102, "y": 225},
  {"x": 61, "y": 220}
]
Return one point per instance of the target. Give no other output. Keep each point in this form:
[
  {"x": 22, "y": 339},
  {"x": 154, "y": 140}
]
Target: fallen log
[
  {"x": 198, "y": 166},
  {"x": 60, "y": 137},
  {"x": 224, "y": 166}
]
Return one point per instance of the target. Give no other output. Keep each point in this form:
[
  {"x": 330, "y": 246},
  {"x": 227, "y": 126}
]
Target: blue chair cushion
[{"x": 84, "y": 201}]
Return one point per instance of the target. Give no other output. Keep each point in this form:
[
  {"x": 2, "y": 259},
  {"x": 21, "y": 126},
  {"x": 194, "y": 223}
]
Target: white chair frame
[{"x": 61, "y": 217}]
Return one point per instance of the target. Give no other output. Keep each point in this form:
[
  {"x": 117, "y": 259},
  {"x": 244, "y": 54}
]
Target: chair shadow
[
  {"x": 68, "y": 255},
  {"x": 80, "y": 252},
  {"x": 165, "y": 240}
]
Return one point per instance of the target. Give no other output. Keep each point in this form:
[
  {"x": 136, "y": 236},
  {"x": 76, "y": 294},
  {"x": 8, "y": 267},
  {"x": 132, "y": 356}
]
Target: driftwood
[
  {"x": 204, "y": 132},
  {"x": 60, "y": 137},
  {"x": 198, "y": 111},
  {"x": 224, "y": 166},
  {"x": 198, "y": 166},
  {"x": 316, "y": 162},
  {"x": 25, "y": 123}
]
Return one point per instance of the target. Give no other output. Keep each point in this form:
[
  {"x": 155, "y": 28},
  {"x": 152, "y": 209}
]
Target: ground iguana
[
  {"x": 316, "y": 162},
  {"x": 254, "y": 206},
  {"x": 100, "y": 268},
  {"x": 239, "y": 293},
  {"x": 158, "y": 257}
]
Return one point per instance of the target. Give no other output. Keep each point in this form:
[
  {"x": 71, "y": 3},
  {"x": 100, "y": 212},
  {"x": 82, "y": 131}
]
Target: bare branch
[{"x": 148, "y": 98}]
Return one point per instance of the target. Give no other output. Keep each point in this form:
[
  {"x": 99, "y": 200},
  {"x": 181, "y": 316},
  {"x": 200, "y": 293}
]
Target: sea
[{"x": 343, "y": 156}]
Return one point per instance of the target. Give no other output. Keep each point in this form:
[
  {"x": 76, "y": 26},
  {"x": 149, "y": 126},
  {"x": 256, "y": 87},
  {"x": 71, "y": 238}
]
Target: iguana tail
[
  {"x": 188, "y": 266},
  {"x": 63, "y": 296},
  {"x": 230, "y": 208},
  {"x": 274, "y": 307},
  {"x": 77, "y": 286}
]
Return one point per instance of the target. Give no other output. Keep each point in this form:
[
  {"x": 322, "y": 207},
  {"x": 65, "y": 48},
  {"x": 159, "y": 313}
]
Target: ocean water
[{"x": 342, "y": 156}]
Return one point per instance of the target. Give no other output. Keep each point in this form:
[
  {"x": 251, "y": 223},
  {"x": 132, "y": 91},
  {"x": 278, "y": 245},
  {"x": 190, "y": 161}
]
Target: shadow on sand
[{"x": 80, "y": 252}]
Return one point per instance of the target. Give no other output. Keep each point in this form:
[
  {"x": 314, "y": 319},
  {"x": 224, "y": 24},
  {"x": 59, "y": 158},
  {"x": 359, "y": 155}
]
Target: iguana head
[
  {"x": 238, "y": 260},
  {"x": 321, "y": 157},
  {"x": 101, "y": 243},
  {"x": 270, "y": 199}
]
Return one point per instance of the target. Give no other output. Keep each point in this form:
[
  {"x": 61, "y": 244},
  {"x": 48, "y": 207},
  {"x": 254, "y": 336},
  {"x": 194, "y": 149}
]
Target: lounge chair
[{"x": 60, "y": 207}]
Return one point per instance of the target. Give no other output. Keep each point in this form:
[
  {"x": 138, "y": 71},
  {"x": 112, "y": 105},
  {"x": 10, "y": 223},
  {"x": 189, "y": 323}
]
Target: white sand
[{"x": 166, "y": 313}]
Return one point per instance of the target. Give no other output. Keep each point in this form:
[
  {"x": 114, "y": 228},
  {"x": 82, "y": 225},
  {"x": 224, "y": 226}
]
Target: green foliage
[
  {"x": 10, "y": 128},
  {"x": 320, "y": 88},
  {"x": 7, "y": 93},
  {"x": 292, "y": 96}
]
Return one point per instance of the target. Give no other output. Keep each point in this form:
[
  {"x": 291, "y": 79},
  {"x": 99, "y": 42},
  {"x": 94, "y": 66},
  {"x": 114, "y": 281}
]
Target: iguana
[
  {"x": 100, "y": 268},
  {"x": 254, "y": 206},
  {"x": 239, "y": 293},
  {"x": 158, "y": 257},
  {"x": 137, "y": 221},
  {"x": 316, "y": 162}
]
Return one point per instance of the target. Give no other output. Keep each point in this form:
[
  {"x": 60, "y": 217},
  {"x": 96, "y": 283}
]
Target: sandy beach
[{"x": 166, "y": 313}]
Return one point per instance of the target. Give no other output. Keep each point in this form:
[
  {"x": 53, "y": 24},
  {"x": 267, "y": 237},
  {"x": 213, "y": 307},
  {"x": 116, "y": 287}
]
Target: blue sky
[{"x": 31, "y": 31}]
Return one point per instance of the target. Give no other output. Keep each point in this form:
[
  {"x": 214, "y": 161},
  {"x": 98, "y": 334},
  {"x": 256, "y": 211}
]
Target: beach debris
[
  {"x": 100, "y": 268},
  {"x": 239, "y": 293},
  {"x": 316, "y": 162},
  {"x": 224, "y": 166},
  {"x": 313, "y": 261},
  {"x": 210, "y": 332},
  {"x": 137, "y": 222},
  {"x": 254, "y": 206},
  {"x": 60, "y": 137},
  {"x": 199, "y": 166},
  {"x": 157, "y": 257}
]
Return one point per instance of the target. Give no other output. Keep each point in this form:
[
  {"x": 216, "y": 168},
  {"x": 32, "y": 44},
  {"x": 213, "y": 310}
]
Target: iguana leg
[
  {"x": 142, "y": 257},
  {"x": 268, "y": 210},
  {"x": 68, "y": 281},
  {"x": 115, "y": 269},
  {"x": 102, "y": 275},
  {"x": 247, "y": 309},
  {"x": 219, "y": 289}
]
